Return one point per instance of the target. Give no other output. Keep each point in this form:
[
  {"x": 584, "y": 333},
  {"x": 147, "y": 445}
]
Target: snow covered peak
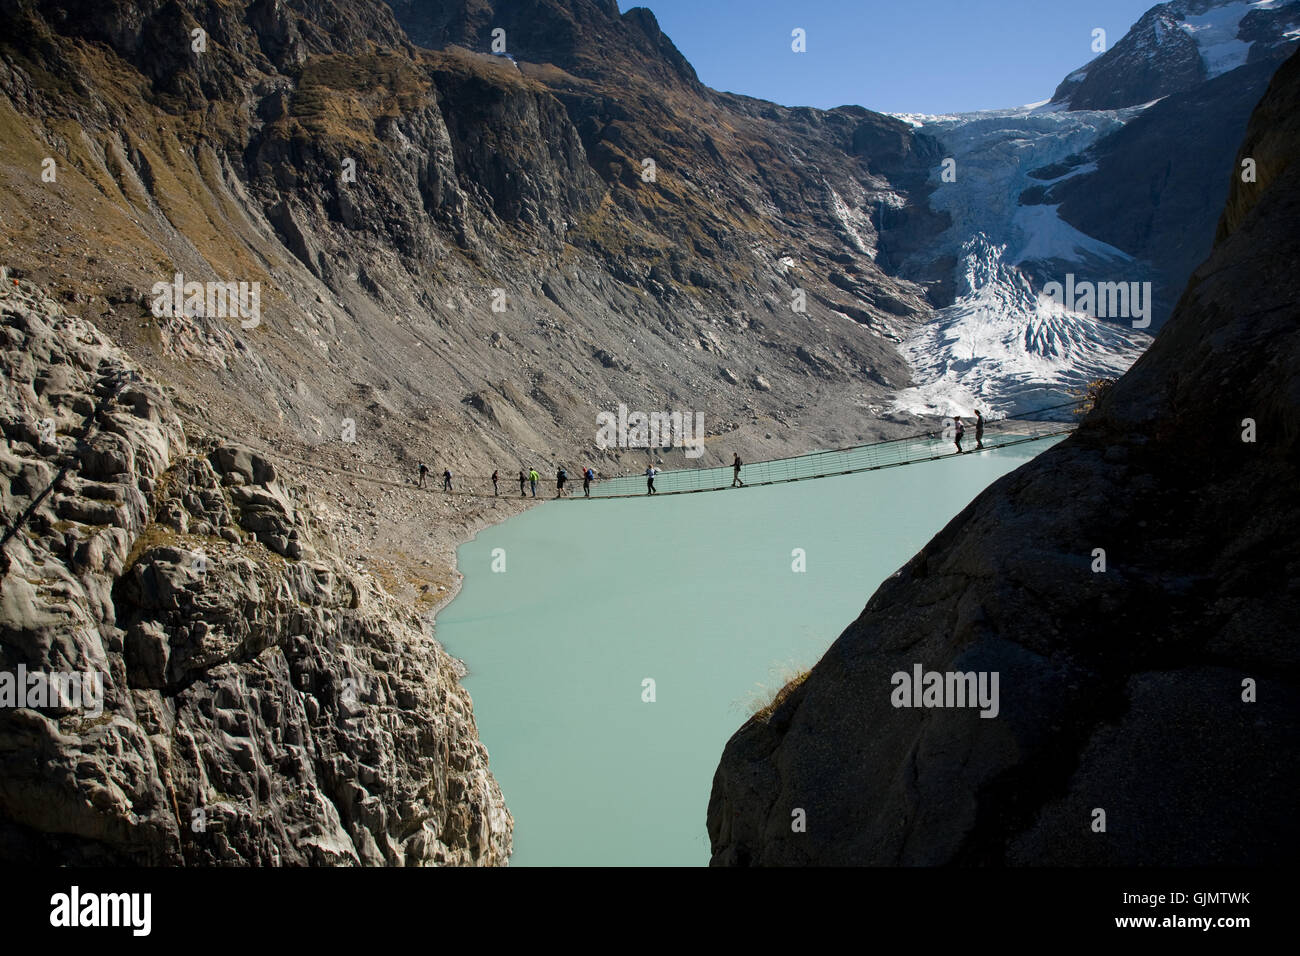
[{"x": 1180, "y": 44}]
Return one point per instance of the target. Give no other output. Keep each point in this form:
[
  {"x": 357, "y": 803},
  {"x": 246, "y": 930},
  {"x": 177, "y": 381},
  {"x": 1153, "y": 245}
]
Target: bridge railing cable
[{"x": 910, "y": 449}]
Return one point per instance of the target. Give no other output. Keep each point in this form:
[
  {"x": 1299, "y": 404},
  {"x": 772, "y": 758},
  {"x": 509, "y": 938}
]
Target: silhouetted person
[
  {"x": 522, "y": 479},
  {"x": 495, "y": 489},
  {"x": 961, "y": 430},
  {"x": 424, "y": 470},
  {"x": 979, "y": 429},
  {"x": 446, "y": 480},
  {"x": 735, "y": 473}
]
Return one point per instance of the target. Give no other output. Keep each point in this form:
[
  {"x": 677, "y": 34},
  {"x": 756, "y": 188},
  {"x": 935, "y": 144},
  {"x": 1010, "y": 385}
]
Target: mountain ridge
[{"x": 1178, "y": 45}]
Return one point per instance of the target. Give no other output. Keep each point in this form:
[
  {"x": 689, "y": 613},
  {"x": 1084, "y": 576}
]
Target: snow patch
[
  {"x": 1048, "y": 236},
  {"x": 914, "y": 120},
  {"x": 851, "y": 220},
  {"x": 1215, "y": 35},
  {"x": 1076, "y": 171}
]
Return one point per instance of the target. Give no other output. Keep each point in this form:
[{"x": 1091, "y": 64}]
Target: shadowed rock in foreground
[{"x": 1120, "y": 691}]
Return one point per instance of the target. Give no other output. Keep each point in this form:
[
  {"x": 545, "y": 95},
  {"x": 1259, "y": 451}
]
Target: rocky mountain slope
[
  {"x": 468, "y": 255},
  {"x": 263, "y": 702},
  {"x": 1158, "y": 687},
  {"x": 462, "y": 257},
  {"x": 473, "y": 174}
]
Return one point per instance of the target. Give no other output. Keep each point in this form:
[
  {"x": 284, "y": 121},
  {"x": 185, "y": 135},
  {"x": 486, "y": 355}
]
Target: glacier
[
  {"x": 1006, "y": 349},
  {"x": 1000, "y": 346}
]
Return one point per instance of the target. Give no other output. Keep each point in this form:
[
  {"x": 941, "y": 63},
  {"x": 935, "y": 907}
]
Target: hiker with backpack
[
  {"x": 650, "y": 479},
  {"x": 446, "y": 480},
  {"x": 587, "y": 476},
  {"x": 424, "y": 470},
  {"x": 561, "y": 477}
]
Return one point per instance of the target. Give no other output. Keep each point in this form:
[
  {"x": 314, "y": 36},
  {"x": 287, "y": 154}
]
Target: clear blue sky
[{"x": 923, "y": 56}]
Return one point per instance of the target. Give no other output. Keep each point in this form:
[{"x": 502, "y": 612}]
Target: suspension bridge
[{"x": 910, "y": 449}]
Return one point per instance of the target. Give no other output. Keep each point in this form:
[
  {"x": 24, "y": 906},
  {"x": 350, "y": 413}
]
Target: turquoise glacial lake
[{"x": 694, "y": 592}]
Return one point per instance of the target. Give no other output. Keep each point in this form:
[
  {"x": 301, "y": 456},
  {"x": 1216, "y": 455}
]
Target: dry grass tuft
[{"x": 764, "y": 699}]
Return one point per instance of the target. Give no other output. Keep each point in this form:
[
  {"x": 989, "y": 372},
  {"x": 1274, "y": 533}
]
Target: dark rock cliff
[{"x": 1161, "y": 690}]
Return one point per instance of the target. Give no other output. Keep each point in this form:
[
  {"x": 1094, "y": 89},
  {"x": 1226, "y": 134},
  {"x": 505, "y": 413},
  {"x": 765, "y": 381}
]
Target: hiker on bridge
[
  {"x": 735, "y": 473},
  {"x": 495, "y": 489},
  {"x": 522, "y": 479},
  {"x": 979, "y": 429},
  {"x": 446, "y": 480},
  {"x": 650, "y": 479},
  {"x": 561, "y": 477},
  {"x": 424, "y": 470},
  {"x": 587, "y": 476},
  {"x": 533, "y": 479},
  {"x": 960, "y": 430}
]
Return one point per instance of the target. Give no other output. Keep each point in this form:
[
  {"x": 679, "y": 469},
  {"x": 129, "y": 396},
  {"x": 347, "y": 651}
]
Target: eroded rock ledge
[{"x": 264, "y": 703}]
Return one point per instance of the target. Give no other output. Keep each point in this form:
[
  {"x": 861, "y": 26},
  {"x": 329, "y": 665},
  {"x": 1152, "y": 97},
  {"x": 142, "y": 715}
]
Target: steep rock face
[
  {"x": 1161, "y": 691},
  {"x": 262, "y": 703}
]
